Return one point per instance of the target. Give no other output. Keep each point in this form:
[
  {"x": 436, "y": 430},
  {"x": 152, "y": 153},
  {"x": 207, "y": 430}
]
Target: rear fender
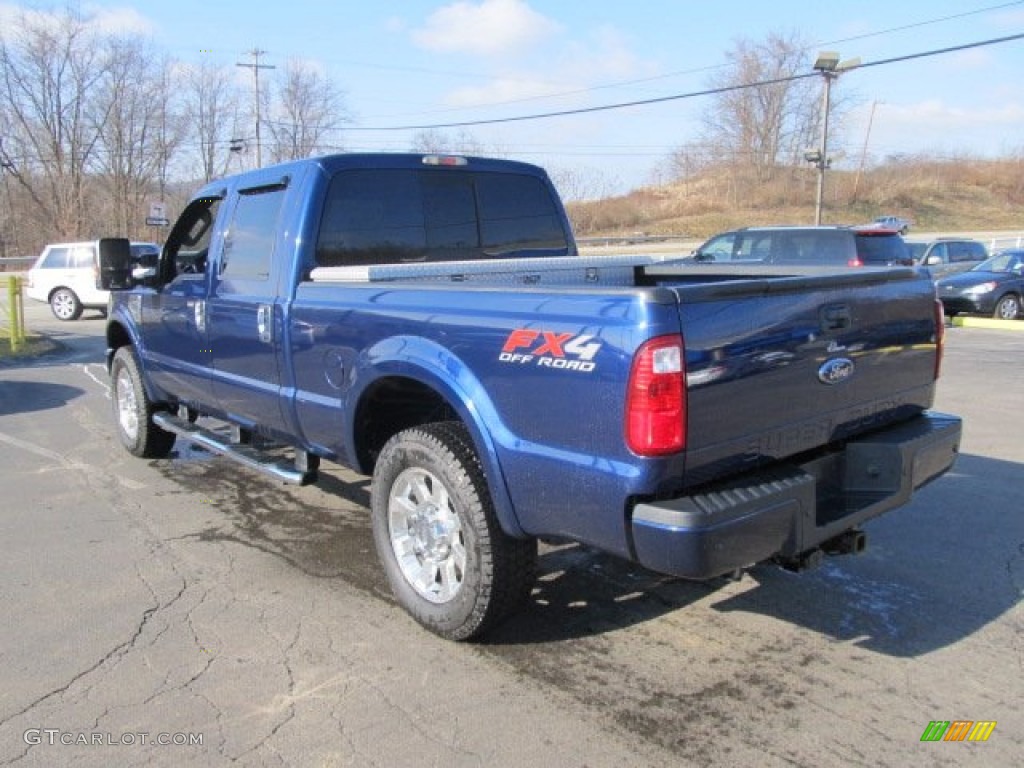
[{"x": 436, "y": 367}]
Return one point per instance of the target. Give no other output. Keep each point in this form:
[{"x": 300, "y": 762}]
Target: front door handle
[
  {"x": 265, "y": 322},
  {"x": 199, "y": 314}
]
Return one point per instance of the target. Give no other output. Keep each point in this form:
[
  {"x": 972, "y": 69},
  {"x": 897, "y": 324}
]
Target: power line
[
  {"x": 697, "y": 70},
  {"x": 679, "y": 96}
]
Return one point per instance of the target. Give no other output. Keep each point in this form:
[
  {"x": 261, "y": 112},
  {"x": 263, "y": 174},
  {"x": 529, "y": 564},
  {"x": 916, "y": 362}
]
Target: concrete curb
[{"x": 988, "y": 322}]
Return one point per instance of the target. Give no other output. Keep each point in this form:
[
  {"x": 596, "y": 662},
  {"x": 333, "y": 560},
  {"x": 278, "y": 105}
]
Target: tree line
[{"x": 95, "y": 125}]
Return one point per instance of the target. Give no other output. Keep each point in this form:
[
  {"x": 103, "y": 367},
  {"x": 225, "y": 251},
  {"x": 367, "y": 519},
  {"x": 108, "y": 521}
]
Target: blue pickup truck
[{"x": 428, "y": 321}]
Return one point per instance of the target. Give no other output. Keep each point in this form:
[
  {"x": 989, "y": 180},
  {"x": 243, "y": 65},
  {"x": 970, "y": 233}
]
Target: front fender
[
  {"x": 123, "y": 330},
  {"x": 436, "y": 367}
]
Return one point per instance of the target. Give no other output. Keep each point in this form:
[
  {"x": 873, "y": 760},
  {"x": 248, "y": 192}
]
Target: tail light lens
[
  {"x": 940, "y": 335},
  {"x": 656, "y": 398}
]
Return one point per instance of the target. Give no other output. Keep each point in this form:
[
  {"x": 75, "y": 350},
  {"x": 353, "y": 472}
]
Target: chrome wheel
[
  {"x": 426, "y": 535},
  {"x": 127, "y": 405}
]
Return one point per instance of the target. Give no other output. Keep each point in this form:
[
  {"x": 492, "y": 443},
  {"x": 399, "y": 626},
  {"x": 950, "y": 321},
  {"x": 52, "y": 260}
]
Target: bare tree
[
  {"x": 307, "y": 107},
  {"x": 761, "y": 125},
  {"x": 579, "y": 184},
  {"x": 49, "y": 66},
  {"x": 211, "y": 110},
  {"x": 136, "y": 124},
  {"x": 169, "y": 125},
  {"x": 462, "y": 142}
]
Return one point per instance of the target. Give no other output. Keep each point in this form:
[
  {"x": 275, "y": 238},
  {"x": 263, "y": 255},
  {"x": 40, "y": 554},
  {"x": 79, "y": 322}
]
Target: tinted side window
[
  {"x": 753, "y": 245},
  {"x": 718, "y": 248},
  {"x": 249, "y": 242},
  {"x": 959, "y": 252},
  {"x": 813, "y": 247},
  {"x": 56, "y": 258}
]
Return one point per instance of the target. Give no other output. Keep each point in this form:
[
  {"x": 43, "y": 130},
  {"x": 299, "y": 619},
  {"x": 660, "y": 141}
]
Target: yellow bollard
[
  {"x": 21, "y": 310},
  {"x": 14, "y": 333}
]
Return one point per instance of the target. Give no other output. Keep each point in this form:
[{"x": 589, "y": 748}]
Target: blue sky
[{"x": 427, "y": 62}]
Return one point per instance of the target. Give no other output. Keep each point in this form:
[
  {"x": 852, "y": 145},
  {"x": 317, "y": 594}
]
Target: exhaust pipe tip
[
  {"x": 805, "y": 561},
  {"x": 852, "y": 542}
]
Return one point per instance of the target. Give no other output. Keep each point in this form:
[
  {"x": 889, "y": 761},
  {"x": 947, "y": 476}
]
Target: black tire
[
  {"x": 65, "y": 305},
  {"x": 1007, "y": 308},
  {"x": 133, "y": 411},
  {"x": 447, "y": 560}
]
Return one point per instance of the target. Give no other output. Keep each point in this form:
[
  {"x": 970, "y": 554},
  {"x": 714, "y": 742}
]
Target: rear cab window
[{"x": 380, "y": 216}]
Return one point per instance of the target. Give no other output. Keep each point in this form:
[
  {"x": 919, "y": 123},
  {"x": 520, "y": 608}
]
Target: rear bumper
[{"x": 795, "y": 507}]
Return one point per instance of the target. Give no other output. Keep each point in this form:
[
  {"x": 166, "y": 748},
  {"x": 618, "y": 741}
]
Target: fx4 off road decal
[{"x": 548, "y": 349}]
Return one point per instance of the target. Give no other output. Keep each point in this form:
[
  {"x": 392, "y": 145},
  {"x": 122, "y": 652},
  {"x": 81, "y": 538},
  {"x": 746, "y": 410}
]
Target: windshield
[
  {"x": 1012, "y": 261},
  {"x": 916, "y": 250}
]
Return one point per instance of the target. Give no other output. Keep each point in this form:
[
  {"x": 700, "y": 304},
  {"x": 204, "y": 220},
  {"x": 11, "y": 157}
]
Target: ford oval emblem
[{"x": 836, "y": 371}]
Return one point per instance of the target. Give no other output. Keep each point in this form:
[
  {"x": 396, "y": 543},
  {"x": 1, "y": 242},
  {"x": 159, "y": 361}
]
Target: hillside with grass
[{"x": 949, "y": 195}]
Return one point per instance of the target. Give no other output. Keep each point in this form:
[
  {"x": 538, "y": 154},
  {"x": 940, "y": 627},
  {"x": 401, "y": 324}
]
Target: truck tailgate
[{"x": 779, "y": 363}]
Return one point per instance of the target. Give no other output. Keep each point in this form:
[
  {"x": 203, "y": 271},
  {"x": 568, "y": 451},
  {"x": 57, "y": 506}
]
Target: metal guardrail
[
  {"x": 16, "y": 263},
  {"x": 638, "y": 239},
  {"x": 1001, "y": 243}
]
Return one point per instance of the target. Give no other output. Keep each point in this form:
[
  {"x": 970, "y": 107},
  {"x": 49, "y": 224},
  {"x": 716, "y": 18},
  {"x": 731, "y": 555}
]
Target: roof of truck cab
[{"x": 331, "y": 164}]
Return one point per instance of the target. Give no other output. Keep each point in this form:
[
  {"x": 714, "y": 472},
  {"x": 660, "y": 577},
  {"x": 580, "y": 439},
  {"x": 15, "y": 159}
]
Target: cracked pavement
[{"x": 190, "y": 597}]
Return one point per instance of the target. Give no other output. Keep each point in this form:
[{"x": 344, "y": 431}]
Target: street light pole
[
  {"x": 823, "y": 147},
  {"x": 830, "y": 68}
]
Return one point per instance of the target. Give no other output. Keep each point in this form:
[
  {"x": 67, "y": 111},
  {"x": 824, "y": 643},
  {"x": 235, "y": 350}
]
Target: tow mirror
[
  {"x": 115, "y": 264},
  {"x": 933, "y": 260}
]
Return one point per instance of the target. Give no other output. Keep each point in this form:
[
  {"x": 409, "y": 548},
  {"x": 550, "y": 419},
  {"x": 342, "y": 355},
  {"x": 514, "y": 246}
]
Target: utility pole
[
  {"x": 255, "y": 66},
  {"x": 863, "y": 152}
]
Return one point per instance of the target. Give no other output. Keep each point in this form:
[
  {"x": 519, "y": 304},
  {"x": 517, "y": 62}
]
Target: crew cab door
[
  {"x": 244, "y": 311},
  {"x": 176, "y": 347}
]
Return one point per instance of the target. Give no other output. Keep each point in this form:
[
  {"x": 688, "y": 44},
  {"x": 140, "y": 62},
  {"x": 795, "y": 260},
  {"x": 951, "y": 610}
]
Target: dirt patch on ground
[{"x": 33, "y": 346}]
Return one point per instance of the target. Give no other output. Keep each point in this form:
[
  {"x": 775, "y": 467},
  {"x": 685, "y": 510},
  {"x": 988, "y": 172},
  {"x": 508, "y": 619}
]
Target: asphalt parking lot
[{"x": 186, "y": 612}]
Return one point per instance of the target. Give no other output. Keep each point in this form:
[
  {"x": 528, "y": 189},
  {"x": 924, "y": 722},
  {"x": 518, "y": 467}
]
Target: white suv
[{"x": 66, "y": 276}]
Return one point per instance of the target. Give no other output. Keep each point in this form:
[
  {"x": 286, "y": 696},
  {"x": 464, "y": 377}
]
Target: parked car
[
  {"x": 865, "y": 246},
  {"x": 947, "y": 255},
  {"x": 893, "y": 222},
  {"x": 994, "y": 287},
  {"x": 66, "y": 276}
]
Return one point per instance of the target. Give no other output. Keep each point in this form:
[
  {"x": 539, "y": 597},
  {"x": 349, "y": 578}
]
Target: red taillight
[
  {"x": 855, "y": 262},
  {"x": 940, "y": 335},
  {"x": 656, "y": 398}
]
